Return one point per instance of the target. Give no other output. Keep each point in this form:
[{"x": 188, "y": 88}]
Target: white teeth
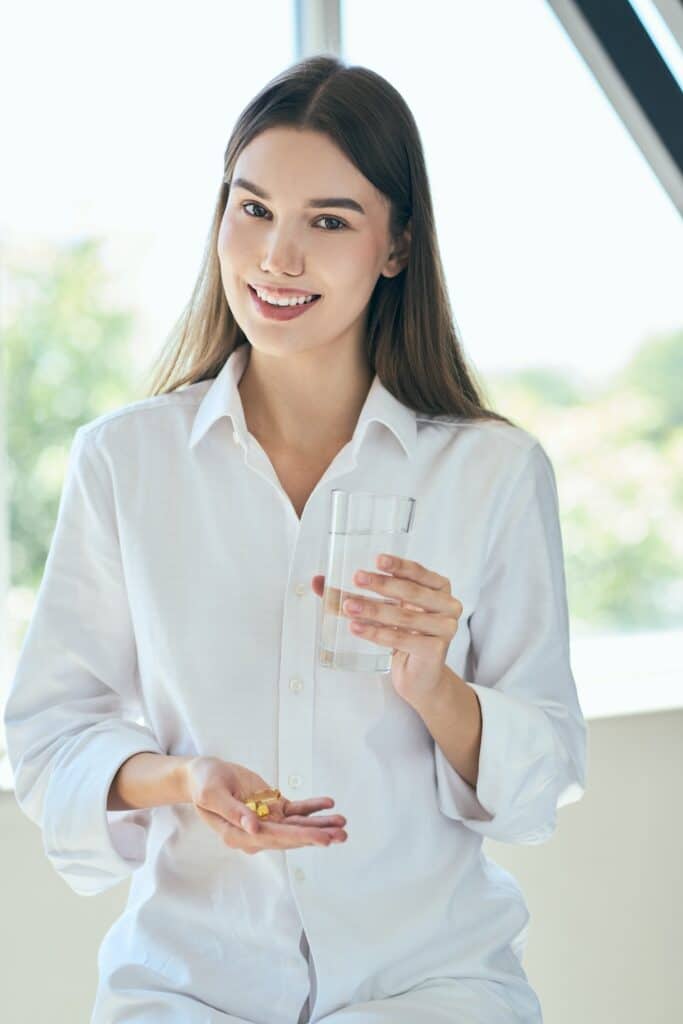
[{"x": 298, "y": 300}]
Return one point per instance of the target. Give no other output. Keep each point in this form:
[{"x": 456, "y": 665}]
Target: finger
[
  {"x": 307, "y": 806},
  {"x": 287, "y": 836},
  {"x": 411, "y": 592},
  {"x": 331, "y": 820},
  {"x": 275, "y": 837},
  {"x": 396, "y": 592},
  {"x": 303, "y": 831},
  {"x": 404, "y": 568},
  {"x": 398, "y": 639},
  {"x": 377, "y": 613}
]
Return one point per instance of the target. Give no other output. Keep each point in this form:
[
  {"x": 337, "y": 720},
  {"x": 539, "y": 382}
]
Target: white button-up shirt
[{"x": 176, "y": 615}]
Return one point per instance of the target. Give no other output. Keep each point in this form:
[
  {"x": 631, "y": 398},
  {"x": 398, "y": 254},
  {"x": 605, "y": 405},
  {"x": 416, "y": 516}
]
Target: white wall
[{"x": 605, "y": 895}]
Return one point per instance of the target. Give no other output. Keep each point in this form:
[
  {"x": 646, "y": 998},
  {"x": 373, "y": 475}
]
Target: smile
[{"x": 273, "y": 312}]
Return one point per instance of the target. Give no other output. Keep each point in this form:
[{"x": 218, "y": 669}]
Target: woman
[{"x": 169, "y": 678}]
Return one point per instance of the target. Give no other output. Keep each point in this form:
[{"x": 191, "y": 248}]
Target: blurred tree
[
  {"x": 656, "y": 372},
  {"x": 618, "y": 458},
  {"x": 542, "y": 385},
  {"x": 66, "y": 362}
]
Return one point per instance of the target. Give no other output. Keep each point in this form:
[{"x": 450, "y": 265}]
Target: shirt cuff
[
  {"x": 90, "y": 847},
  {"x": 517, "y": 760}
]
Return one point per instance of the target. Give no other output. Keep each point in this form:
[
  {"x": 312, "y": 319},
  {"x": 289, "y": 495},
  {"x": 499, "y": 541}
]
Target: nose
[{"x": 283, "y": 256}]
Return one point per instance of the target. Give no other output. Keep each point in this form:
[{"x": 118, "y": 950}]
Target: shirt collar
[{"x": 223, "y": 399}]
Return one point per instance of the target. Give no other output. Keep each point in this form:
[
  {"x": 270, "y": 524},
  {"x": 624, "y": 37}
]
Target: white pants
[
  {"x": 453, "y": 1001},
  {"x": 466, "y": 1001}
]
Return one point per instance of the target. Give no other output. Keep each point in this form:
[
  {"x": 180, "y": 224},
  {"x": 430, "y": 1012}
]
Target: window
[
  {"x": 113, "y": 155},
  {"x": 562, "y": 254}
]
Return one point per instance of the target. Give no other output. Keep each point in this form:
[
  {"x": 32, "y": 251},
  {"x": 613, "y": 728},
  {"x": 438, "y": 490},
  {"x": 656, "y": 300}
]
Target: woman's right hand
[{"x": 218, "y": 790}]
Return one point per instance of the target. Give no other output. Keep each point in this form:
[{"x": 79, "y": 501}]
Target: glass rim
[{"x": 372, "y": 494}]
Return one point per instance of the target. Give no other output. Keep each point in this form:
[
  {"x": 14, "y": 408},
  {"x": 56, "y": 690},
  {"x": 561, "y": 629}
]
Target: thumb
[{"x": 318, "y": 585}]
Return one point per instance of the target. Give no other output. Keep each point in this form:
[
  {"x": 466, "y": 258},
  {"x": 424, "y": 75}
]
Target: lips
[{"x": 273, "y": 312}]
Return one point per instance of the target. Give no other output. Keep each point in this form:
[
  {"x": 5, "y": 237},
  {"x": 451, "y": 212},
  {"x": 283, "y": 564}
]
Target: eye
[
  {"x": 244, "y": 206},
  {"x": 324, "y": 217},
  {"x": 336, "y": 220}
]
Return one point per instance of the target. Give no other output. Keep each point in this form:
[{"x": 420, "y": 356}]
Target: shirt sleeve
[
  {"x": 533, "y": 743},
  {"x": 72, "y": 709}
]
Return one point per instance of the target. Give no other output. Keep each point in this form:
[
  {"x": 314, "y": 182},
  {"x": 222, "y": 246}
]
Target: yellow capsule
[
  {"x": 259, "y": 801},
  {"x": 267, "y": 795}
]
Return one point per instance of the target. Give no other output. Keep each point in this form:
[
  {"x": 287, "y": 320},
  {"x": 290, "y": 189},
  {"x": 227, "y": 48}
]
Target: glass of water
[{"x": 362, "y": 525}]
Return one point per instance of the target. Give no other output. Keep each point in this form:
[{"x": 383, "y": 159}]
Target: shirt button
[
  {"x": 294, "y": 781},
  {"x": 296, "y": 684},
  {"x": 300, "y": 589},
  {"x": 235, "y": 437},
  {"x": 299, "y": 874}
]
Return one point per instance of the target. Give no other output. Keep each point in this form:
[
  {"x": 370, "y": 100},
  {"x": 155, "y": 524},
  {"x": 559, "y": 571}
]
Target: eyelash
[{"x": 323, "y": 217}]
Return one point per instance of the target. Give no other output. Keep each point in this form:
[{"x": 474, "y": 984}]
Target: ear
[{"x": 398, "y": 257}]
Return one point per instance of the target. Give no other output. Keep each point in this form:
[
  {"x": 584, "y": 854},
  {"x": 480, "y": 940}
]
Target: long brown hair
[{"x": 411, "y": 338}]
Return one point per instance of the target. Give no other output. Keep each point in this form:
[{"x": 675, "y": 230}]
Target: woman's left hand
[{"x": 419, "y": 628}]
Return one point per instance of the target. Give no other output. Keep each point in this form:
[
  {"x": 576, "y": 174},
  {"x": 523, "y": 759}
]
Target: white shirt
[{"x": 175, "y": 614}]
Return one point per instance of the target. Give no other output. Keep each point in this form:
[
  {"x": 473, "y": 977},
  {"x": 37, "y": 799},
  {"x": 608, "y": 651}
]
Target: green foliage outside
[
  {"x": 617, "y": 450},
  {"x": 66, "y": 362}
]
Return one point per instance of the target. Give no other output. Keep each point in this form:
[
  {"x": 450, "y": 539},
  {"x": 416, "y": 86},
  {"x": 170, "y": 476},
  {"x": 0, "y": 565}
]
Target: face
[{"x": 278, "y": 239}]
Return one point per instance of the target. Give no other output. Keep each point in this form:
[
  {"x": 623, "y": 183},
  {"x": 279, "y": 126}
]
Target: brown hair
[{"x": 411, "y": 339}]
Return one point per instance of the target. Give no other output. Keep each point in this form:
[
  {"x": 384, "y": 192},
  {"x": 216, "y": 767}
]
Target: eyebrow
[{"x": 338, "y": 201}]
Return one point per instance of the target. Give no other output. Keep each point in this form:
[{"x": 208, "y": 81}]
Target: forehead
[{"x": 296, "y": 165}]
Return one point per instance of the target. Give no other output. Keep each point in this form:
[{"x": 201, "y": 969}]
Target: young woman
[{"x": 169, "y": 679}]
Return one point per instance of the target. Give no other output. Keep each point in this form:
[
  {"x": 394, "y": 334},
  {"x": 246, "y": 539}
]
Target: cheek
[
  {"x": 237, "y": 242},
  {"x": 232, "y": 258},
  {"x": 352, "y": 268},
  {"x": 229, "y": 236},
  {"x": 361, "y": 276}
]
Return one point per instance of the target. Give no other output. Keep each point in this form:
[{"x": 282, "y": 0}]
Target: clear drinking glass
[{"x": 362, "y": 525}]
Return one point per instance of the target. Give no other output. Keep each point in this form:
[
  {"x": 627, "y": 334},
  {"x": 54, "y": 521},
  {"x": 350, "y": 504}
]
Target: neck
[{"x": 308, "y": 404}]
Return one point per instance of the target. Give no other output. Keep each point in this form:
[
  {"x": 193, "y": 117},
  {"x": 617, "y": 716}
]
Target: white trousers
[{"x": 463, "y": 1001}]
